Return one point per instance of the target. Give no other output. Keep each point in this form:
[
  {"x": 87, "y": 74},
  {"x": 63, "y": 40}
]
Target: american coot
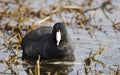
[{"x": 49, "y": 43}]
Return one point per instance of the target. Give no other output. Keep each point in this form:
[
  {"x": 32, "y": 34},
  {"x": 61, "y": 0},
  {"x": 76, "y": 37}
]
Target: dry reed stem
[
  {"x": 38, "y": 65},
  {"x": 43, "y": 20},
  {"x": 19, "y": 37},
  {"x": 56, "y": 10},
  {"x": 73, "y": 7},
  {"x": 30, "y": 72},
  {"x": 48, "y": 73}
]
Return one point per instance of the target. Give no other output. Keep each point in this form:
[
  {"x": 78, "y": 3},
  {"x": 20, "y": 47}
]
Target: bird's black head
[{"x": 59, "y": 32}]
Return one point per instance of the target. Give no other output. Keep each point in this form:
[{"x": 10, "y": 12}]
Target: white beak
[{"x": 58, "y": 37}]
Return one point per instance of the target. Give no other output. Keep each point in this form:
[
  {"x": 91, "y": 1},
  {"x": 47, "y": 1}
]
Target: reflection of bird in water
[{"x": 51, "y": 69}]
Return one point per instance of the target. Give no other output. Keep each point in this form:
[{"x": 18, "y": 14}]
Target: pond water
[{"x": 105, "y": 36}]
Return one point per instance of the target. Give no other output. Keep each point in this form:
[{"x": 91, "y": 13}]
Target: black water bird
[{"x": 49, "y": 43}]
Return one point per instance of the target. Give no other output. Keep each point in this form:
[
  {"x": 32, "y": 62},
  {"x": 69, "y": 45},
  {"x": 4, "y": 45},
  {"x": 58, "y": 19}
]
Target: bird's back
[{"x": 33, "y": 37}]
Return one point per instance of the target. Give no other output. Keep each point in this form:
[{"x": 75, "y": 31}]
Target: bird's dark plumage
[{"x": 42, "y": 41}]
